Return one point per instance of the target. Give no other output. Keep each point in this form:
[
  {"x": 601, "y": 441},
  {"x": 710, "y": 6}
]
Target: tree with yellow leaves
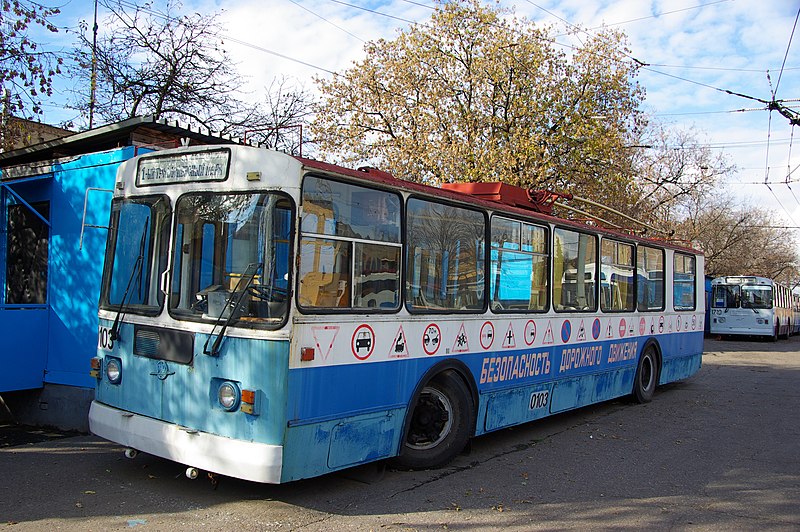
[{"x": 477, "y": 94}]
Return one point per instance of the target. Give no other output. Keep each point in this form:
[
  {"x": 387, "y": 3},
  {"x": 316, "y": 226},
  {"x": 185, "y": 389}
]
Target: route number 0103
[{"x": 539, "y": 399}]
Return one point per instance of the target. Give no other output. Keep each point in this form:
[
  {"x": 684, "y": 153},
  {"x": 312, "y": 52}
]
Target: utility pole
[
  {"x": 94, "y": 69},
  {"x": 4, "y": 121}
]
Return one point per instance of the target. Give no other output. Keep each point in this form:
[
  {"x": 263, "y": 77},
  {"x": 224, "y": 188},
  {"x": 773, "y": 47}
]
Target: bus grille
[
  {"x": 146, "y": 343},
  {"x": 163, "y": 344}
]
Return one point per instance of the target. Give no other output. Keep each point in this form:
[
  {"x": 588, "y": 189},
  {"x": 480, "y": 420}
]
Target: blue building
[{"x": 55, "y": 205}]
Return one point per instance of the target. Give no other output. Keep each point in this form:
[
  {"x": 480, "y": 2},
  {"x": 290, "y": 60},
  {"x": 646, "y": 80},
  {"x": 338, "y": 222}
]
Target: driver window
[{"x": 231, "y": 258}]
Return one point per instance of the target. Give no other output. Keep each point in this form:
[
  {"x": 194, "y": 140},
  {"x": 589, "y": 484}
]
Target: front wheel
[
  {"x": 440, "y": 424},
  {"x": 646, "y": 380}
]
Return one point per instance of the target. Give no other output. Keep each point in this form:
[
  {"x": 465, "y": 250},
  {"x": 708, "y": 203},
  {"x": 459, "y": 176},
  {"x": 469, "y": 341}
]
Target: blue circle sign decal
[
  {"x": 596, "y": 328},
  {"x": 566, "y": 331}
]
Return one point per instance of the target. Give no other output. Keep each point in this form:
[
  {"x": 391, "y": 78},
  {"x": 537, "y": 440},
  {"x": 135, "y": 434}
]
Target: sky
[{"x": 696, "y": 50}]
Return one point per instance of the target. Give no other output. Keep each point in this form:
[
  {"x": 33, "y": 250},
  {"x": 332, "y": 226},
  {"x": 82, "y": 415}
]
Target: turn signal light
[
  {"x": 307, "y": 354},
  {"x": 249, "y": 396},
  {"x": 249, "y": 402},
  {"x": 96, "y": 365}
]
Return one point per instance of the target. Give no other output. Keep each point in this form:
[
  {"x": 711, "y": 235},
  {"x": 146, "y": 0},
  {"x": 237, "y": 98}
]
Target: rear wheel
[
  {"x": 440, "y": 424},
  {"x": 646, "y": 380}
]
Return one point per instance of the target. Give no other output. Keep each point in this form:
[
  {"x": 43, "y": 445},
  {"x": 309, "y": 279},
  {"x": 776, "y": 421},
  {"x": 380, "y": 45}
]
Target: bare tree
[
  {"x": 160, "y": 63},
  {"x": 280, "y": 120},
  {"x": 738, "y": 239},
  {"x": 672, "y": 167}
]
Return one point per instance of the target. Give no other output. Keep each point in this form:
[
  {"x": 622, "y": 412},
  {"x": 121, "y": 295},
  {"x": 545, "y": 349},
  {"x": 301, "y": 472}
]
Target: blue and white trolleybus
[{"x": 274, "y": 318}]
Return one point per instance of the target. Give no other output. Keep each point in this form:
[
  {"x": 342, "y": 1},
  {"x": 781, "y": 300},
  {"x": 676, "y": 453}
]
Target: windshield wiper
[
  {"x": 232, "y": 314},
  {"x": 113, "y": 334}
]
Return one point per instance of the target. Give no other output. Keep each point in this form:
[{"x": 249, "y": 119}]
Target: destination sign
[{"x": 183, "y": 168}]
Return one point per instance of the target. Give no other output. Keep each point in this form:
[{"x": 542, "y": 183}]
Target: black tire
[
  {"x": 777, "y": 330},
  {"x": 440, "y": 424},
  {"x": 647, "y": 372}
]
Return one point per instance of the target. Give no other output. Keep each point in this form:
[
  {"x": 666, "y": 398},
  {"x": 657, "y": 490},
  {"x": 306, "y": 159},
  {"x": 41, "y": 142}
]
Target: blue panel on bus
[
  {"x": 510, "y": 407},
  {"x": 362, "y": 440},
  {"x": 578, "y": 392},
  {"x": 678, "y": 368},
  {"x": 583, "y": 373},
  {"x": 325, "y": 446}
]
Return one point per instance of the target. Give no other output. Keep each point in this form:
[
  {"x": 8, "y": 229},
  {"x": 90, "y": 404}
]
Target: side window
[
  {"x": 616, "y": 276},
  {"x": 518, "y": 268},
  {"x": 574, "y": 271},
  {"x": 26, "y": 253},
  {"x": 683, "y": 282},
  {"x": 445, "y": 257},
  {"x": 350, "y": 247},
  {"x": 650, "y": 277}
]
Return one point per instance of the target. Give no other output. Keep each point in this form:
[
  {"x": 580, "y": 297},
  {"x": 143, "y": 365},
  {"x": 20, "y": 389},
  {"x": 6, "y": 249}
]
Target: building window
[{"x": 26, "y": 255}]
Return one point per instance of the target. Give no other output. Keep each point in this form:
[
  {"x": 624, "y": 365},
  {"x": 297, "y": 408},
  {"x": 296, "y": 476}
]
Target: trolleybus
[
  {"x": 751, "y": 305},
  {"x": 274, "y": 318}
]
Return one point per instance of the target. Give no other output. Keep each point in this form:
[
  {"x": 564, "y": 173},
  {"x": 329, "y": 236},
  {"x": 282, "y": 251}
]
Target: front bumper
[{"x": 247, "y": 460}]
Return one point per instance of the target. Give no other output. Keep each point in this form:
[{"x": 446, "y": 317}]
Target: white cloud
[{"x": 716, "y": 35}]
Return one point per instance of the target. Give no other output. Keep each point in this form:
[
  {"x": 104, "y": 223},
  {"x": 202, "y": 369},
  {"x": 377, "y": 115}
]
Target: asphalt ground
[
  {"x": 12, "y": 435},
  {"x": 718, "y": 451}
]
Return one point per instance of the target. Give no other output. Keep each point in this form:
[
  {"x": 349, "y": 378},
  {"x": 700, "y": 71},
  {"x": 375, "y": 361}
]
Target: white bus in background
[
  {"x": 751, "y": 305},
  {"x": 796, "y": 313}
]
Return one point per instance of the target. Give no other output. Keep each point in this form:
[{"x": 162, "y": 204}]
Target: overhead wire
[
  {"x": 644, "y": 66},
  {"x": 301, "y": 6},
  {"x": 664, "y": 13},
  {"x": 773, "y": 106},
  {"x": 368, "y": 10},
  {"x": 704, "y": 67},
  {"x": 649, "y": 67},
  {"x": 767, "y": 183},
  {"x": 152, "y": 12},
  {"x": 420, "y": 4}
]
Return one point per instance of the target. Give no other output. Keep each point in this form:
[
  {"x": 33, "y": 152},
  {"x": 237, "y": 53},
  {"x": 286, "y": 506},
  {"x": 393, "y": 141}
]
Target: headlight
[
  {"x": 114, "y": 370},
  {"x": 228, "y": 396}
]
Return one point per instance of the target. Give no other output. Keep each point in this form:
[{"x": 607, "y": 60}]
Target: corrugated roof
[{"x": 109, "y": 137}]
